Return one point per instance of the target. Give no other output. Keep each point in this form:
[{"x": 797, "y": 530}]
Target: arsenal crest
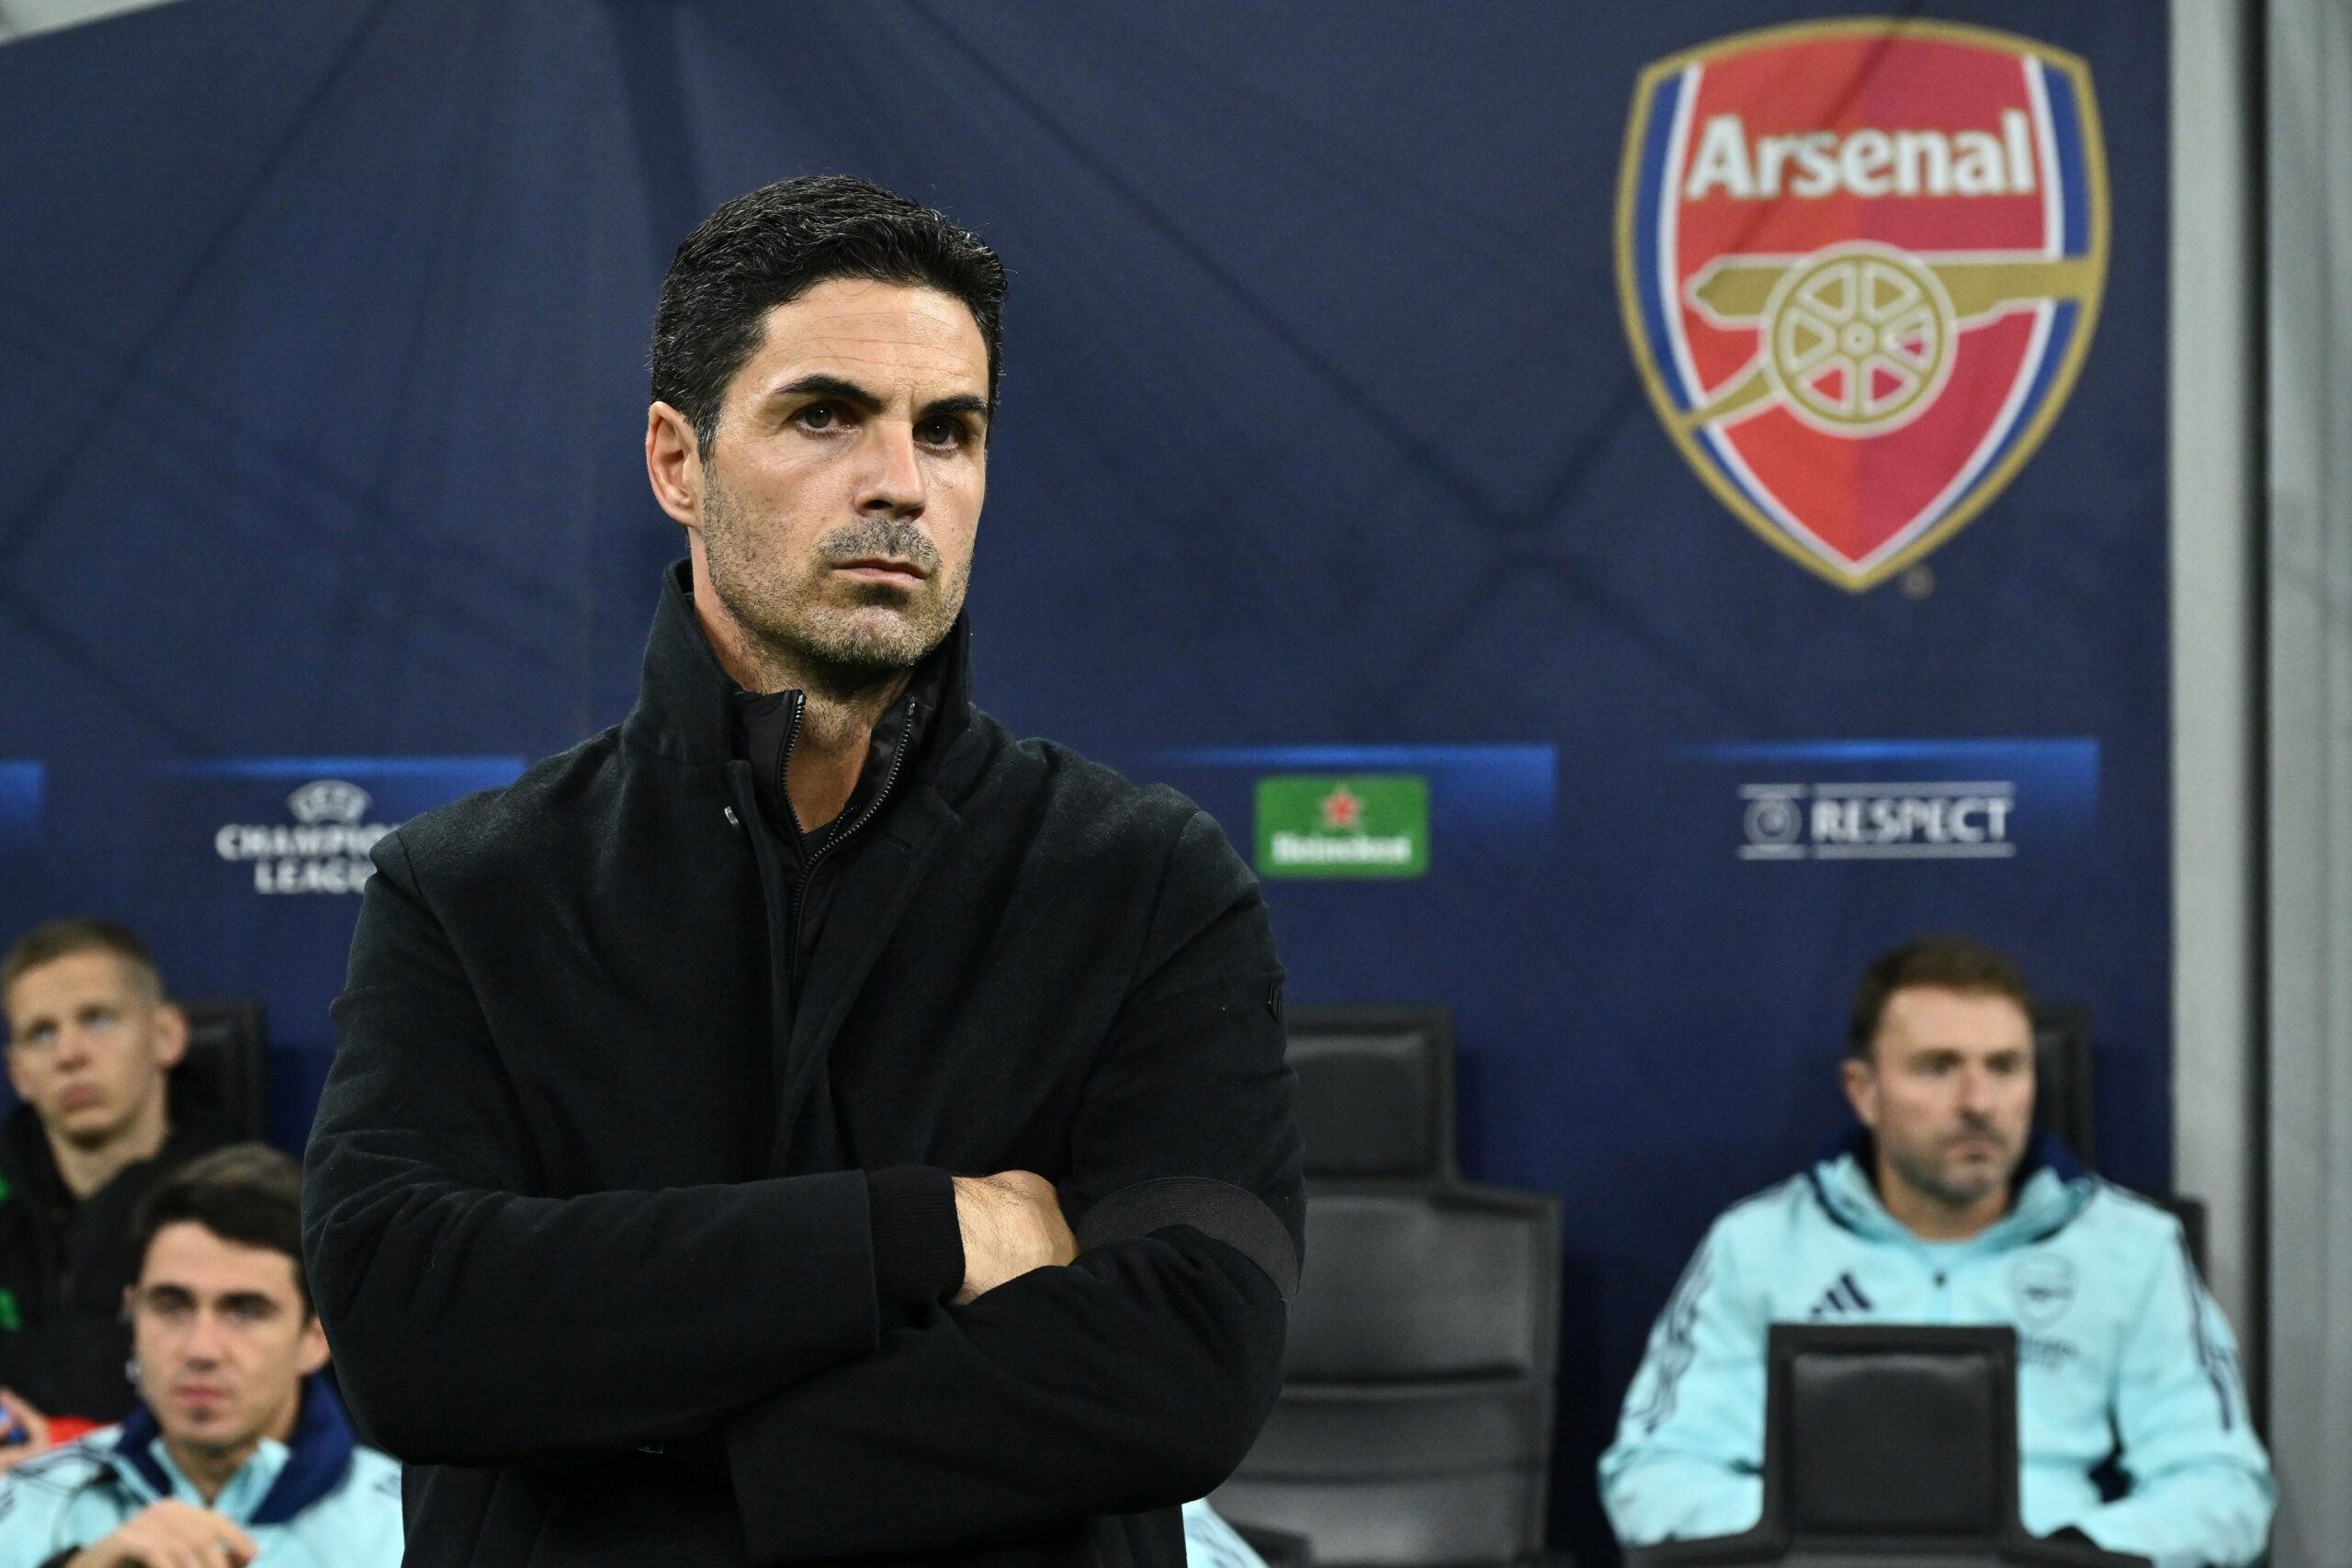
[{"x": 1859, "y": 261}]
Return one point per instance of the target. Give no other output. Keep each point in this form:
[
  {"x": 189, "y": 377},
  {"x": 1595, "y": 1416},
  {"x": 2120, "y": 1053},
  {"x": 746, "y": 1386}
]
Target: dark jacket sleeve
[
  {"x": 474, "y": 1320},
  {"x": 1135, "y": 1379}
]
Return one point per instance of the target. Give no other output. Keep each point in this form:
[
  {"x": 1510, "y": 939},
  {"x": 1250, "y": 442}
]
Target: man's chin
[
  {"x": 203, "y": 1429},
  {"x": 1958, "y": 1183},
  {"x": 872, "y": 639},
  {"x": 89, "y": 1126},
  {"x": 1973, "y": 1181}
]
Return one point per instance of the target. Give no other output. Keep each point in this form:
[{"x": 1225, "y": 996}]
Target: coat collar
[
  {"x": 684, "y": 700},
  {"x": 318, "y": 1453}
]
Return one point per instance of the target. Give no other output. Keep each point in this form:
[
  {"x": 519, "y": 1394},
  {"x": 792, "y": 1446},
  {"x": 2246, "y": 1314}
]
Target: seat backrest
[
  {"x": 1892, "y": 1443},
  {"x": 223, "y": 1077},
  {"x": 2061, "y": 1078},
  {"x": 1454, "y": 1283},
  {"x": 1891, "y": 1432},
  {"x": 1415, "y": 1422},
  {"x": 1376, "y": 1091}
]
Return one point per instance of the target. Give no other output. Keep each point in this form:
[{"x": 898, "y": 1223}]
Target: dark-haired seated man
[
  {"x": 237, "y": 1449},
  {"x": 92, "y": 1040},
  {"x": 1942, "y": 1206}
]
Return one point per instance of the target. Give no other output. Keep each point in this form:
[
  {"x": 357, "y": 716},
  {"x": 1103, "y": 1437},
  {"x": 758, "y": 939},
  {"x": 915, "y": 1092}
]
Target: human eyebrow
[
  {"x": 822, "y": 386},
  {"x": 961, "y": 403}
]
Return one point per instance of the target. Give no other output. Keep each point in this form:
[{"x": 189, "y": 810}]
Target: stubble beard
[
  {"x": 1944, "y": 1180},
  {"x": 802, "y": 623}
]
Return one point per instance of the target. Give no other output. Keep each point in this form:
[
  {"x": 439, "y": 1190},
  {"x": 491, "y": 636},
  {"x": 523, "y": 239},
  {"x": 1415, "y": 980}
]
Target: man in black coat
[{"x": 805, "y": 1121}]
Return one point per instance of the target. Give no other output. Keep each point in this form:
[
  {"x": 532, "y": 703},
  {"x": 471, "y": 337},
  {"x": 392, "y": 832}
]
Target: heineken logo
[{"x": 1356, "y": 824}]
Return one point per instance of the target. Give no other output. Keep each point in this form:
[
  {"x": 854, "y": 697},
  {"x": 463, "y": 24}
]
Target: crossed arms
[{"x": 477, "y": 1323}]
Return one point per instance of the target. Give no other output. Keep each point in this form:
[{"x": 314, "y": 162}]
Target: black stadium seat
[
  {"x": 2061, "y": 1078},
  {"x": 1376, "y": 1091},
  {"x": 222, "y": 1078},
  {"x": 2063, "y": 1106},
  {"x": 1888, "y": 1445},
  {"x": 1415, "y": 1421}
]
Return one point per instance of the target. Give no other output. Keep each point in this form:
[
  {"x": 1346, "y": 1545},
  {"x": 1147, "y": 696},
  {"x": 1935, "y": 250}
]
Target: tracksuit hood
[
  {"x": 2049, "y": 1189},
  {"x": 317, "y": 1453}
]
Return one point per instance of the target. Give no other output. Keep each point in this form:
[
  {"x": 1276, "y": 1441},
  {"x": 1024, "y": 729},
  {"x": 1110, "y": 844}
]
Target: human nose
[
  {"x": 205, "y": 1334},
  {"x": 892, "y": 485}
]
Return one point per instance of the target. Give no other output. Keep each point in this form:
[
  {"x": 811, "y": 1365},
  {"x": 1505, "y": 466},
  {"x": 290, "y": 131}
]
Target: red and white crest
[{"x": 1859, "y": 261}]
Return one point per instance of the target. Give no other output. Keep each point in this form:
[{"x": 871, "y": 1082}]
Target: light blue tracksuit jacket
[
  {"x": 2118, "y": 1344},
  {"x": 317, "y": 1501}
]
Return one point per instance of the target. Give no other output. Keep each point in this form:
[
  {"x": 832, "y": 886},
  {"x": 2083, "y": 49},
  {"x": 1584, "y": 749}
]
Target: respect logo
[{"x": 1859, "y": 261}]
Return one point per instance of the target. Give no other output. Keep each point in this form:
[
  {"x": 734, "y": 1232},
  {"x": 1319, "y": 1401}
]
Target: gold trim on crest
[{"x": 1968, "y": 285}]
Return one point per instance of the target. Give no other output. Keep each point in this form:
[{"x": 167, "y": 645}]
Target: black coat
[{"x": 590, "y": 1178}]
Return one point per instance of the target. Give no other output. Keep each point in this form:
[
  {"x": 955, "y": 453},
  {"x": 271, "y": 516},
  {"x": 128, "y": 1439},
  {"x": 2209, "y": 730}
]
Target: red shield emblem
[{"x": 1859, "y": 261}]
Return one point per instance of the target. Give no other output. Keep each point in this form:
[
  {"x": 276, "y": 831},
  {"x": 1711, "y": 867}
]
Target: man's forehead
[
  {"x": 1941, "y": 1016},
  {"x": 68, "y": 980},
  {"x": 857, "y": 328},
  {"x": 185, "y": 1256}
]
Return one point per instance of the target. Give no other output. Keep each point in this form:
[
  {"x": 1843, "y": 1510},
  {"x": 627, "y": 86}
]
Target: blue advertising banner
[{"x": 1675, "y": 491}]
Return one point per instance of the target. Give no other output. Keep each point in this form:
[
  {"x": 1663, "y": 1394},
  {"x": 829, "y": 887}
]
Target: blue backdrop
[{"x": 322, "y": 322}]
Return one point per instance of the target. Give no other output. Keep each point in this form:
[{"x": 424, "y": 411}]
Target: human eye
[
  {"x": 249, "y": 1309},
  {"x": 821, "y": 416},
  {"x": 170, "y": 1306},
  {"x": 944, "y": 431}
]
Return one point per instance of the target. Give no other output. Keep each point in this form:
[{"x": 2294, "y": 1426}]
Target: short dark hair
[
  {"x": 53, "y": 940},
  {"x": 248, "y": 1193},
  {"x": 770, "y": 246},
  {"x": 1946, "y": 961}
]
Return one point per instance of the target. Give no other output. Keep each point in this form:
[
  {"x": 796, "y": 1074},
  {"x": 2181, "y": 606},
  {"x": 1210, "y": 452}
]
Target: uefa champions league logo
[{"x": 324, "y": 850}]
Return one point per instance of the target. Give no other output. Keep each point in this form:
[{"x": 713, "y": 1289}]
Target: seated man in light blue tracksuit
[
  {"x": 237, "y": 1448},
  {"x": 1942, "y": 1207}
]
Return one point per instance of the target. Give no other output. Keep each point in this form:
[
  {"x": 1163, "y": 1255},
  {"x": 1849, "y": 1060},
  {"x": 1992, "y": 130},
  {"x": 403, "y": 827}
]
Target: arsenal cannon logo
[{"x": 1859, "y": 261}]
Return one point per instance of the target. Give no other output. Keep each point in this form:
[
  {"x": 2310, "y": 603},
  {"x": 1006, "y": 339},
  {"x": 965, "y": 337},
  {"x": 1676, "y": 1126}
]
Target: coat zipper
[{"x": 809, "y": 858}]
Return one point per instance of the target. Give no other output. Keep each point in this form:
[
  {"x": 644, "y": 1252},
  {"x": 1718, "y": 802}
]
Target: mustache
[{"x": 893, "y": 536}]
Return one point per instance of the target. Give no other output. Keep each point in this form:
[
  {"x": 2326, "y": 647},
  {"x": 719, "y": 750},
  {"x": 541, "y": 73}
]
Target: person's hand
[
  {"x": 36, "y": 1428},
  {"x": 1012, "y": 1223},
  {"x": 170, "y": 1534}
]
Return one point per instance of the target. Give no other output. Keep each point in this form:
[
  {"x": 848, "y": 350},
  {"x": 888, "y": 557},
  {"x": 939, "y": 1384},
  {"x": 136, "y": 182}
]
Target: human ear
[
  {"x": 1859, "y": 1077},
  {"x": 312, "y": 1353},
  {"x": 673, "y": 464},
  {"x": 169, "y": 1039}
]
